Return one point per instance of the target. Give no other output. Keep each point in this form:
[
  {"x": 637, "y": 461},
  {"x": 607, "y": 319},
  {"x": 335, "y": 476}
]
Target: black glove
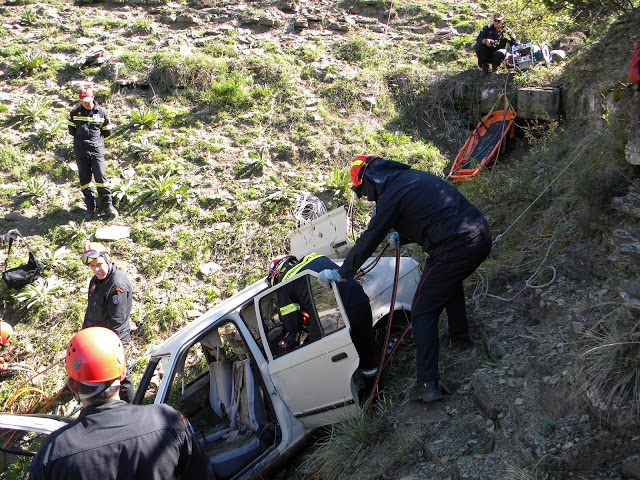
[{"x": 490, "y": 42}]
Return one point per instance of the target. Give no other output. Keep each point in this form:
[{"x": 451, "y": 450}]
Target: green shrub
[
  {"x": 27, "y": 62},
  {"x": 34, "y": 108}
]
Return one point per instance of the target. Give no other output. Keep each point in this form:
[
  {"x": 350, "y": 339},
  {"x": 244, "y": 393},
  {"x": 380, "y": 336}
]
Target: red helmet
[
  {"x": 93, "y": 250},
  {"x": 358, "y": 166},
  {"x": 85, "y": 94},
  {"x": 6, "y": 331},
  {"x": 498, "y": 16},
  {"x": 95, "y": 355},
  {"x": 279, "y": 265}
]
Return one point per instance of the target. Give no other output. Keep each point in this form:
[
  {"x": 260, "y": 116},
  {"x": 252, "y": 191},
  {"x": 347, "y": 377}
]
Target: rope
[
  {"x": 501, "y": 236},
  {"x": 308, "y": 207}
]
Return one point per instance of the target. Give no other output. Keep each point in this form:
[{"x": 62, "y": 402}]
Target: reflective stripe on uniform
[
  {"x": 299, "y": 266},
  {"x": 287, "y": 309},
  {"x": 82, "y": 187},
  {"x": 89, "y": 119}
]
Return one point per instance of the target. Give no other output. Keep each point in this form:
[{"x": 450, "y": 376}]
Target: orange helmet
[
  {"x": 279, "y": 265},
  {"x": 6, "y": 331},
  {"x": 358, "y": 166},
  {"x": 95, "y": 355},
  {"x": 93, "y": 250}
]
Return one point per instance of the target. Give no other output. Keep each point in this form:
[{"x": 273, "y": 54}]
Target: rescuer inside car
[
  {"x": 112, "y": 439},
  {"x": 426, "y": 210},
  {"x": 295, "y": 301},
  {"x": 491, "y": 44},
  {"x": 90, "y": 125},
  {"x": 109, "y": 301}
]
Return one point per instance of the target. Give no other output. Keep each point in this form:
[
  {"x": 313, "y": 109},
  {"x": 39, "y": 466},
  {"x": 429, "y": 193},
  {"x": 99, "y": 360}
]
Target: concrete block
[{"x": 538, "y": 103}]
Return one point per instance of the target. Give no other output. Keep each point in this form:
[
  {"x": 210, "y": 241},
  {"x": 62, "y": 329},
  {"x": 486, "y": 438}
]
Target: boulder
[{"x": 538, "y": 103}]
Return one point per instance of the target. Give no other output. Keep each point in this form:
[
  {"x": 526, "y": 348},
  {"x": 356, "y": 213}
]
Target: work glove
[
  {"x": 490, "y": 42},
  {"x": 325, "y": 277},
  {"x": 394, "y": 239}
]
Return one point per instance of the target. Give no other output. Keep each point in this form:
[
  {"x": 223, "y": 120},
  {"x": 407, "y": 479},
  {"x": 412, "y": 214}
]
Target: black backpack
[{"x": 18, "y": 277}]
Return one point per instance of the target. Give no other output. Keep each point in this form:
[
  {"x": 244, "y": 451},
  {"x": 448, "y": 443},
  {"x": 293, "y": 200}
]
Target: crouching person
[{"x": 111, "y": 438}]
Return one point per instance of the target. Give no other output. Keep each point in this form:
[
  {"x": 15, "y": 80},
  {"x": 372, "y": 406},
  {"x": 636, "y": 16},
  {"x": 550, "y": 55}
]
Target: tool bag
[
  {"x": 634, "y": 67},
  {"x": 18, "y": 277}
]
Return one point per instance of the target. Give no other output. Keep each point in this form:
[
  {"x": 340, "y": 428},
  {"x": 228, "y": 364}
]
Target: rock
[
  {"x": 553, "y": 401},
  {"x": 208, "y": 268},
  {"x": 629, "y": 204},
  {"x": 113, "y": 232},
  {"x": 483, "y": 399},
  {"x": 631, "y": 254},
  {"x": 540, "y": 368},
  {"x": 630, "y": 293},
  {"x": 538, "y": 103},
  {"x": 191, "y": 314},
  {"x": 111, "y": 70},
  {"x": 631, "y": 468},
  {"x": 187, "y": 19},
  {"x": 12, "y": 216},
  {"x": 94, "y": 56},
  {"x": 496, "y": 349}
]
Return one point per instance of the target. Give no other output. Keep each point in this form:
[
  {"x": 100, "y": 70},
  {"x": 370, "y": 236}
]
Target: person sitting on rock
[{"x": 492, "y": 42}]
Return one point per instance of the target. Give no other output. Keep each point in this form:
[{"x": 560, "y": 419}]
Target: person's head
[
  {"x": 6, "y": 331},
  {"x": 96, "y": 256},
  {"x": 278, "y": 267},
  {"x": 358, "y": 168},
  {"x": 95, "y": 363},
  {"x": 498, "y": 17},
  {"x": 86, "y": 97}
]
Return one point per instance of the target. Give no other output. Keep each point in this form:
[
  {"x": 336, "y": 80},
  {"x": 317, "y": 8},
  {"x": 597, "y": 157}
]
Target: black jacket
[
  {"x": 117, "y": 440},
  {"x": 109, "y": 304},
  {"x": 501, "y": 37},
  {"x": 295, "y": 298},
  {"x": 423, "y": 209},
  {"x": 89, "y": 127}
]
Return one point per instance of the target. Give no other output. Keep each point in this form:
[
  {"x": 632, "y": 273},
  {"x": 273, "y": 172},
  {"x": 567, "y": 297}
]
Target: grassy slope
[{"x": 213, "y": 178}]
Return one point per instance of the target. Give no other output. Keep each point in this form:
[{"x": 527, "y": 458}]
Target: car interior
[{"x": 218, "y": 389}]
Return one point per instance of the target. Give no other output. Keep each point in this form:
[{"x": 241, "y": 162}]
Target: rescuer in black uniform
[
  {"x": 491, "y": 43},
  {"x": 426, "y": 210},
  {"x": 109, "y": 302},
  {"x": 90, "y": 125},
  {"x": 111, "y": 439},
  {"x": 295, "y": 298}
]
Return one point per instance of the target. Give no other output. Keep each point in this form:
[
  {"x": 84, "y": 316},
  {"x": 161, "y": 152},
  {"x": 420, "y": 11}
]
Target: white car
[{"x": 248, "y": 405}]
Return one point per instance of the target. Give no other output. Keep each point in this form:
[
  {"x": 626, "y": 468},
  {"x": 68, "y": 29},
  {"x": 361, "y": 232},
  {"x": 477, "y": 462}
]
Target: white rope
[
  {"x": 499, "y": 237},
  {"x": 308, "y": 207}
]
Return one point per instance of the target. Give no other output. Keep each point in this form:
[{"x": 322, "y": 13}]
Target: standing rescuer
[
  {"x": 112, "y": 439},
  {"x": 109, "y": 301},
  {"x": 90, "y": 125},
  {"x": 426, "y": 210}
]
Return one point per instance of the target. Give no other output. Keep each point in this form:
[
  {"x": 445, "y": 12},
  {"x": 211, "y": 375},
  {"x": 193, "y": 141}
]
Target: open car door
[{"x": 314, "y": 378}]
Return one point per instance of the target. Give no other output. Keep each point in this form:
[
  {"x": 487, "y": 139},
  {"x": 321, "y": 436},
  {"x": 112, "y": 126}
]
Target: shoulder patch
[
  {"x": 115, "y": 299},
  {"x": 92, "y": 287}
]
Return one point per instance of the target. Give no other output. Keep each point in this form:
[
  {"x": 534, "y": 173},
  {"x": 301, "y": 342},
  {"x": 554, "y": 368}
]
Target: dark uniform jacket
[
  {"x": 501, "y": 37},
  {"x": 89, "y": 127},
  {"x": 295, "y": 297},
  {"x": 423, "y": 208},
  {"x": 117, "y": 440},
  {"x": 109, "y": 304}
]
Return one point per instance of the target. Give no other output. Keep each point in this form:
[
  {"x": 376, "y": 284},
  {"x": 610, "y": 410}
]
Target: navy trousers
[{"x": 441, "y": 288}]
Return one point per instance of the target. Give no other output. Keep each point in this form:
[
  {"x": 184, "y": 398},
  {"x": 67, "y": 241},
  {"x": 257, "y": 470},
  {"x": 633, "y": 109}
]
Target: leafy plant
[
  {"x": 33, "y": 108},
  {"x": 47, "y": 130},
  {"x": 143, "y": 25},
  {"x": 27, "y": 62},
  {"x": 144, "y": 117},
  {"x": 35, "y": 188},
  {"x": 339, "y": 182},
  {"x": 74, "y": 230},
  {"x": 144, "y": 148},
  {"x": 28, "y": 17},
  {"x": 41, "y": 292},
  {"x": 126, "y": 190},
  {"x": 164, "y": 189},
  {"x": 53, "y": 258}
]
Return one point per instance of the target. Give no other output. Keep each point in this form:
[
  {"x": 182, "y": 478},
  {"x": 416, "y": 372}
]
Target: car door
[{"x": 315, "y": 378}]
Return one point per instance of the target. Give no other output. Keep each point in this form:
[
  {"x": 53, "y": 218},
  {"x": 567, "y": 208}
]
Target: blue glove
[
  {"x": 325, "y": 277},
  {"x": 393, "y": 239}
]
